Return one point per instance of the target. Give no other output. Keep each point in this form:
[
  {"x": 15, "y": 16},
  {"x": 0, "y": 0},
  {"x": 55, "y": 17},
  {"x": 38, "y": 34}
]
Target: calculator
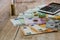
[{"x": 52, "y": 8}]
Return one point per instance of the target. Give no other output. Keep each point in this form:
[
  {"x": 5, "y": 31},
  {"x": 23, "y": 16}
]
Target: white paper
[
  {"x": 28, "y": 21},
  {"x": 15, "y": 22},
  {"x": 38, "y": 27},
  {"x": 27, "y": 30}
]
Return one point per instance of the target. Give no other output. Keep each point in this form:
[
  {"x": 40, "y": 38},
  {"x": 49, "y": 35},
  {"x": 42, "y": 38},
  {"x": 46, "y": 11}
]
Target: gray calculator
[{"x": 52, "y": 8}]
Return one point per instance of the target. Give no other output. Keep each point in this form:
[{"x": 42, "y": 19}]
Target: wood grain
[{"x": 8, "y": 32}]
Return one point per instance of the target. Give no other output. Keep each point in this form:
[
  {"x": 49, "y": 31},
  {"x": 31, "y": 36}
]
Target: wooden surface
[
  {"x": 9, "y": 31},
  {"x": 4, "y": 12}
]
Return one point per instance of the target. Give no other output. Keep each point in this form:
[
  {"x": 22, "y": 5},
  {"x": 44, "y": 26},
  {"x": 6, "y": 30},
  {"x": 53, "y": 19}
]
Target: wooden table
[{"x": 9, "y": 33}]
